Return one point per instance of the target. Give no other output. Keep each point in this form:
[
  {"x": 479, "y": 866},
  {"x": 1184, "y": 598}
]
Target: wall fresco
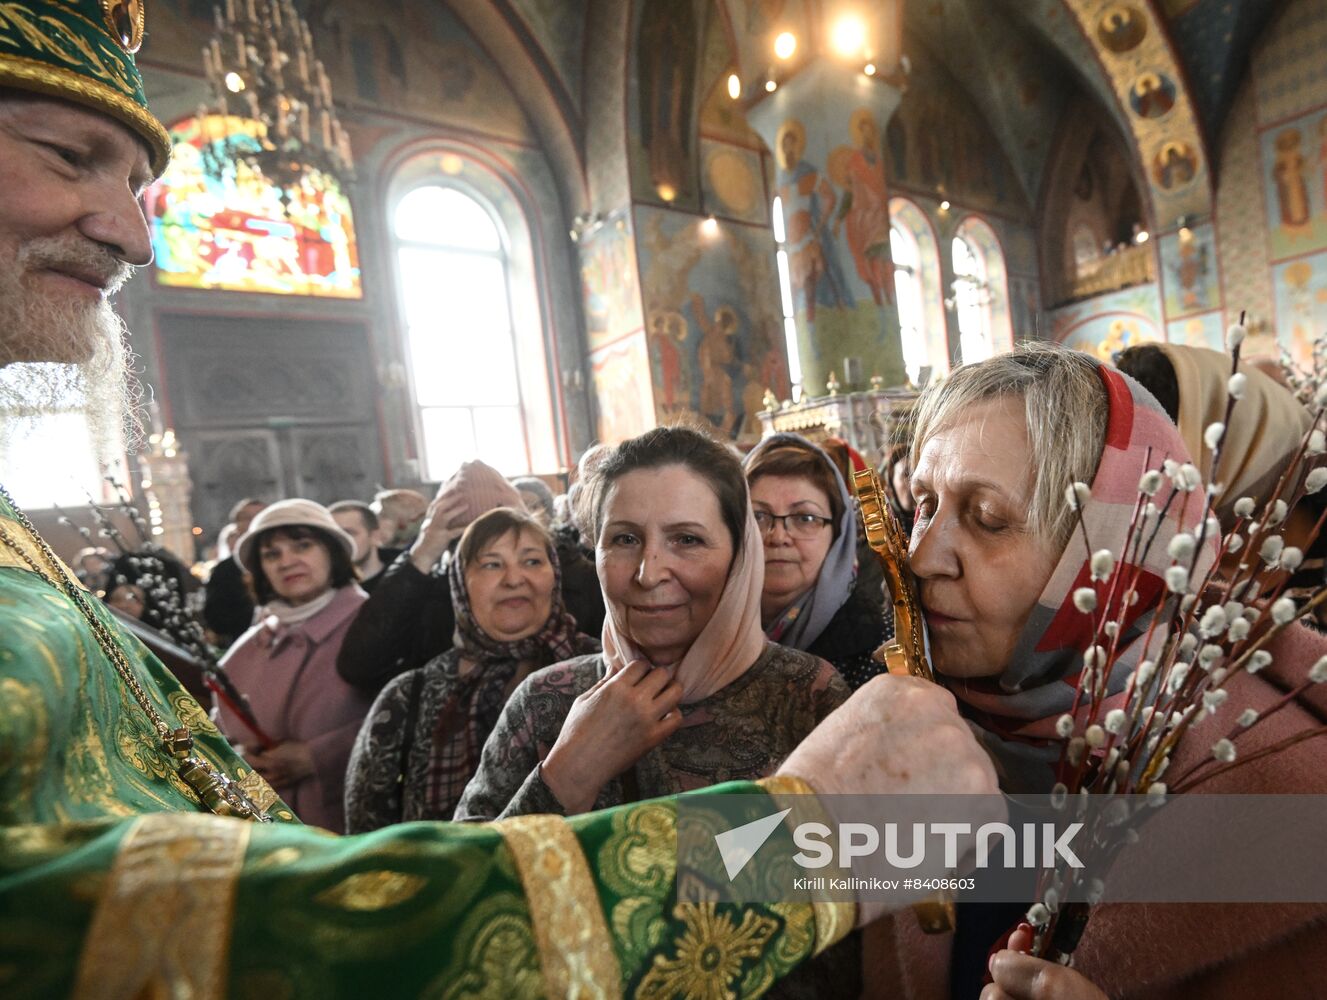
[
  {"x": 1206, "y": 330},
  {"x": 712, "y": 319},
  {"x": 937, "y": 140},
  {"x": 609, "y": 284},
  {"x": 621, "y": 380},
  {"x": 733, "y": 182},
  {"x": 1300, "y": 287},
  {"x": 1294, "y": 161},
  {"x": 1107, "y": 324},
  {"x": 1189, "y": 271}
]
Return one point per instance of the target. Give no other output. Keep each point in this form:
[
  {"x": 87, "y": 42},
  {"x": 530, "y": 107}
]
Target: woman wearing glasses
[{"x": 812, "y": 598}]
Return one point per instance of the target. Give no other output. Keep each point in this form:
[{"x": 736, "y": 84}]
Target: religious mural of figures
[
  {"x": 1292, "y": 189},
  {"x": 1105, "y": 325},
  {"x": 1300, "y": 287},
  {"x": 1207, "y": 330},
  {"x": 1294, "y": 165},
  {"x": 666, "y": 66},
  {"x": 1188, "y": 264},
  {"x": 936, "y": 141},
  {"x": 713, "y": 321},
  {"x": 1121, "y": 28},
  {"x": 809, "y": 202},
  {"x": 864, "y": 208},
  {"x": 715, "y": 355},
  {"x": 672, "y": 368},
  {"x": 1174, "y": 166},
  {"x": 619, "y": 376},
  {"x": 608, "y": 283},
  {"x": 1151, "y": 95}
]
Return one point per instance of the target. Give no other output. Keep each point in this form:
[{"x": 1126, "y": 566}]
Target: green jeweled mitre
[{"x": 82, "y": 51}]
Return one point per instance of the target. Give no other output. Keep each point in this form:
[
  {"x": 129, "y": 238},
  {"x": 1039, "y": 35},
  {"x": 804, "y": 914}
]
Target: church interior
[
  {"x": 547, "y": 421},
  {"x": 560, "y": 222}
]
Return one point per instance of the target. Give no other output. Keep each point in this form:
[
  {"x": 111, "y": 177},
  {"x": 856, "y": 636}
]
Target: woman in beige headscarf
[{"x": 1192, "y": 385}]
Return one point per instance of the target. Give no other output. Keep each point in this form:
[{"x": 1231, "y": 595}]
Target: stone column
[{"x": 825, "y": 125}]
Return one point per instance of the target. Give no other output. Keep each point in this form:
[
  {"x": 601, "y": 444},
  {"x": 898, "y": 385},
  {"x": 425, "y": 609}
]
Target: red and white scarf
[{"x": 1014, "y": 715}]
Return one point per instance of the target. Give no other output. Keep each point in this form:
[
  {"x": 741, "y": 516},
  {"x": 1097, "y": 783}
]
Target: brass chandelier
[{"x": 261, "y": 66}]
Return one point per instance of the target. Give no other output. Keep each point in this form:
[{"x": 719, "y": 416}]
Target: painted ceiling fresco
[
  {"x": 1214, "y": 38},
  {"x": 1013, "y": 79},
  {"x": 558, "y": 26}
]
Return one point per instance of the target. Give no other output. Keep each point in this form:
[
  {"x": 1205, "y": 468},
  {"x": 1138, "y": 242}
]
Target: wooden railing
[{"x": 1122, "y": 269}]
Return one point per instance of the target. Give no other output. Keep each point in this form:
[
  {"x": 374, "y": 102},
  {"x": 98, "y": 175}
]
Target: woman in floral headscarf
[
  {"x": 998, "y": 555},
  {"x": 421, "y": 741}
]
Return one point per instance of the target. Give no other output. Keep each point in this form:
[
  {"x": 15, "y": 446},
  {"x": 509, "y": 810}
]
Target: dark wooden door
[{"x": 271, "y": 408}]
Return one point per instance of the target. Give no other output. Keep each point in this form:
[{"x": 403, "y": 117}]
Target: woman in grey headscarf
[{"x": 813, "y": 598}]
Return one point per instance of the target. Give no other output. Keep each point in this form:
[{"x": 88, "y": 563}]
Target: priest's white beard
[{"x": 66, "y": 354}]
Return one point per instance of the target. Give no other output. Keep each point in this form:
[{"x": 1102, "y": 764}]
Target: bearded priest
[{"x": 139, "y": 855}]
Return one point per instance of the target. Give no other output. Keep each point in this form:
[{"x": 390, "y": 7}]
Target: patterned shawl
[
  {"x": 1014, "y": 714},
  {"x": 474, "y": 701},
  {"x": 801, "y": 623}
]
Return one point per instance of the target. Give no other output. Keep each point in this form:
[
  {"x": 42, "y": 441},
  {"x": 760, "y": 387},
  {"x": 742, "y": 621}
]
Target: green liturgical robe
[{"x": 115, "y": 883}]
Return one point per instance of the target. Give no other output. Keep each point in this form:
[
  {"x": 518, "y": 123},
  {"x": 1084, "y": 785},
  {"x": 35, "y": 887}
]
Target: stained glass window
[{"x": 234, "y": 233}]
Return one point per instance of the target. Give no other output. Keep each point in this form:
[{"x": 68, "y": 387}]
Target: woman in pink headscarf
[{"x": 687, "y": 692}]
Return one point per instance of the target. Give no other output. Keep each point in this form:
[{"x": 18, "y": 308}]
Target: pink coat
[
  {"x": 289, "y": 676},
  {"x": 1164, "y": 951}
]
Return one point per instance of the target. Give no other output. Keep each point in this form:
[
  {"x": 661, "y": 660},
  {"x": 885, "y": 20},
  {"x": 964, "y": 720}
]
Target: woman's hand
[
  {"x": 609, "y": 728},
  {"x": 436, "y": 532},
  {"x": 1021, "y": 977},
  {"x": 900, "y": 737},
  {"x": 285, "y": 764}
]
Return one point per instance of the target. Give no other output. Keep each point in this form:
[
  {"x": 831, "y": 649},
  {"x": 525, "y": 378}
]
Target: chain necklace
[{"x": 219, "y": 794}]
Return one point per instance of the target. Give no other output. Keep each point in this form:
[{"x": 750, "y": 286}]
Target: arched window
[
  {"x": 970, "y": 300},
  {"x": 918, "y": 289},
  {"x": 786, "y": 296},
  {"x": 981, "y": 291},
  {"x": 452, "y": 266},
  {"x": 908, "y": 295}
]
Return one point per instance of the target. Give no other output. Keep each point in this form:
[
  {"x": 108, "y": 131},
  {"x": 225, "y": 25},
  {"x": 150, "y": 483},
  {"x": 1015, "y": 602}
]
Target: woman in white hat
[{"x": 299, "y": 561}]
